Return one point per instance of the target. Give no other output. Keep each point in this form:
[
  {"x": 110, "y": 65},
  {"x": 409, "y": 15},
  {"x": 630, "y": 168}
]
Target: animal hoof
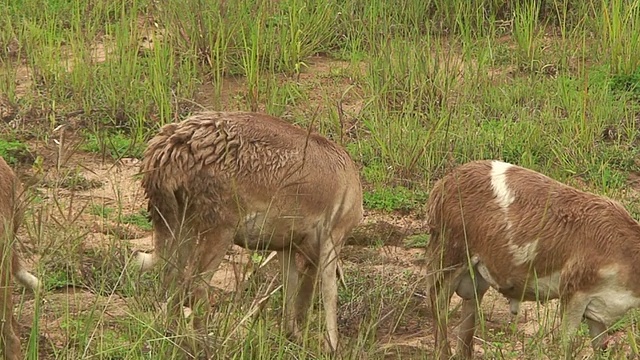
[
  {"x": 329, "y": 348},
  {"x": 610, "y": 341},
  {"x": 144, "y": 259},
  {"x": 294, "y": 336}
]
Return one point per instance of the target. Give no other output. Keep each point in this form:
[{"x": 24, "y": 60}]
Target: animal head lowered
[
  {"x": 220, "y": 178},
  {"x": 531, "y": 238}
]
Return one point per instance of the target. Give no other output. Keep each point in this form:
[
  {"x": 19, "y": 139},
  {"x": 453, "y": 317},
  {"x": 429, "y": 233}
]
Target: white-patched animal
[
  {"x": 531, "y": 238},
  {"x": 219, "y": 178},
  {"x": 11, "y": 213}
]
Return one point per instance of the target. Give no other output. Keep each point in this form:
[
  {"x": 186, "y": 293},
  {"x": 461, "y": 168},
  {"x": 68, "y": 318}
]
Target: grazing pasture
[{"x": 409, "y": 88}]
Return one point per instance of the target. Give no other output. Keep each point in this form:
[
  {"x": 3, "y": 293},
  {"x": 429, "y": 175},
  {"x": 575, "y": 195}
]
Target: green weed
[
  {"x": 101, "y": 211},
  {"x": 526, "y": 32},
  {"x": 73, "y": 179},
  {"x": 139, "y": 219},
  {"x": 13, "y": 151},
  {"x": 115, "y": 145},
  {"x": 394, "y": 198},
  {"x": 619, "y": 23},
  {"x": 417, "y": 241}
]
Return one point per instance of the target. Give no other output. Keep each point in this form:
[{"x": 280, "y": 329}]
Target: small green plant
[
  {"x": 115, "y": 145},
  {"x": 257, "y": 258},
  {"x": 526, "y": 32},
  {"x": 307, "y": 29},
  {"x": 73, "y": 179},
  {"x": 252, "y": 42},
  {"x": 620, "y": 30},
  {"x": 13, "y": 151},
  {"x": 394, "y": 198},
  {"x": 627, "y": 82},
  {"x": 139, "y": 219},
  {"x": 101, "y": 210},
  {"x": 57, "y": 278},
  {"x": 416, "y": 241}
]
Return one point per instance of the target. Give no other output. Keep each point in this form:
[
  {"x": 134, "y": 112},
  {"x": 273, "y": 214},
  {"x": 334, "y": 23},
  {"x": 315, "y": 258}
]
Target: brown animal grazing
[
  {"x": 10, "y": 219},
  {"x": 532, "y": 239},
  {"x": 219, "y": 178}
]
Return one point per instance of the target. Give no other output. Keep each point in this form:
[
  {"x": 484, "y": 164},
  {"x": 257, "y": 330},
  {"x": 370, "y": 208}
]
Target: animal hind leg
[
  {"x": 198, "y": 262},
  {"x": 209, "y": 254},
  {"x": 329, "y": 250},
  {"x": 471, "y": 288},
  {"x": 290, "y": 280},
  {"x": 9, "y": 337},
  {"x": 573, "y": 308},
  {"x": 306, "y": 293},
  {"x": 439, "y": 290},
  {"x": 598, "y": 334},
  {"x": 171, "y": 244},
  {"x": 440, "y": 298}
]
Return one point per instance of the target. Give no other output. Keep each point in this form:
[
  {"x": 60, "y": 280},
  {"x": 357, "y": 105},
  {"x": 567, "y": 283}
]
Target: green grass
[
  {"x": 74, "y": 180},
  {"x": 101, "y": 210},
  {"x": 13, "y": 151},
  {"x": 139, "y": 219},
  {"x": 115, "y": 145},
  {"x": 417, "y": 241},
  {"x": 409, "y": 88},
  {"x": 397, "y": 198}
]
